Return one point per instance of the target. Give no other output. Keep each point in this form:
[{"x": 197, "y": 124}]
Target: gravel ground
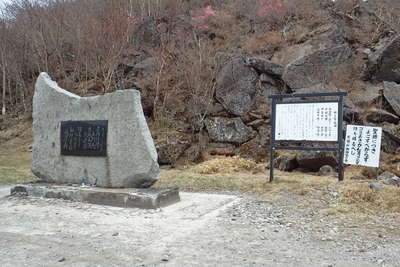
[{"x": 202, "y": 230}]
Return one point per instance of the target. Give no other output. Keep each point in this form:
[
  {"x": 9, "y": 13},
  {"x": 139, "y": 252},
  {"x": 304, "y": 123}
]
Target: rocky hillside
[{"x": 206, "y": 68}]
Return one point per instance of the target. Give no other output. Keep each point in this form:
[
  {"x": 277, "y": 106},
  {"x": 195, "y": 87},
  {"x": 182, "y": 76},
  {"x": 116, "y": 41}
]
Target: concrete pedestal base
[{"x": 124, "y": 197}]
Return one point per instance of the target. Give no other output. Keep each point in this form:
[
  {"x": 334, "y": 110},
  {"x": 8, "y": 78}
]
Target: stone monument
[
  {"x": 93, "y": 149},
  {"x": 101, "y": 140}
]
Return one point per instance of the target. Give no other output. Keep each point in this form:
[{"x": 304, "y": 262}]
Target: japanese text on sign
[
  {"x": 363, "y": 145},
  {"x": 84, "y": 138},
  {"x": 307, "y": 121}
]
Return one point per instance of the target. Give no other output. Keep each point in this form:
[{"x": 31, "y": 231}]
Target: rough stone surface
[
  {"x": 287, "y": 163},
  {"x": 228, "y": 130},
  {"x": 375, "y": 186},
  {"x": 390, "y": 138},
  {"x": 384, "y": 63},
  {"x": 391, "y": 92},
  {"x": 315, "y": 68},
  {"x": 326, "y": 36},
  {"x": 171, "y": 146},
  {"x": 168, "y": 153},
  {"x": 236, "y": 85},
  {"x": 367, "y": 95},
  {"x": 350, "y": 112},
  {"x": 147, "y": 65},
  {"x": 265, "y": 66},
  {"x": 314, "y": 160},
  {"x": 380, "y": 116},
  {"x": 126, "y": 198},
  {"x": 254, "y": 149},
  {"x": 326, "y": 170},
  {"x": 389, "y": 178},
  {"x": 224, "y": 149},
  {"x": 131, "y": 159}
]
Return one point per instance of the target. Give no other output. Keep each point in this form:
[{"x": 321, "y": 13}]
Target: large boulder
[
  {"x": 222, "y": 149},
  {"x": 324, "y": 37},
  {"x": 236, "y": 84},
  {"x": 254, "y": 149},
  {"x": 225, "y": 130},
  {"x": 314, "y": 160},
  {"x": 390, "y": 138},
  {"x": 389, "y": 178},
  {"x": 315, "y": 68},
  {"x": 130, "y": 158},
  {"x": 286, "y": 163},
  {"x": 170, "y": 146},
  {"x": 380, "y": 116},
  {"x": 350, "y": 111},
  {"x": 368, "y": 94},
  {"x": 384, "y": 63},
  {"x": 265, "y": 66},
  {"x": 391, "y": 92}
]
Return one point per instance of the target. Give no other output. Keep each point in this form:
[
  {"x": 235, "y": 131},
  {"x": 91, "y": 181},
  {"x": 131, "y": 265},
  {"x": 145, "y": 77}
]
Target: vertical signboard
[{"x": 362, "y": 145}]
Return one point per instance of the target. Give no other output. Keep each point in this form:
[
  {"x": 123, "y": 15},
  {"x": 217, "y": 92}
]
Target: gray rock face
[
  {"x": 224, "y": 149},
  {"x": 390, "y": 138},
  {"x": 131, "y": 159},
  {"x": 169, "y": 152},
  {"x": 228, "y": 130},
  {"x": 314, "y": 160},
  {"x": 384, "y": 63},
  {"x": 326, "y": 170},
  {"x": 265, "y": 66},
  {"x": 287, "y": 163},
  {"x": 391, "y": 92},
  {"x": 375, "y": 186},
  {"x": 236, "y": 85},
  {"x": 389, "y": 178},
  {"x": 327, "y": 36},
  {"x": 315, "y": 68},
  {"x": 369, "y": 94},
  {"x": 350, "y": 112},
  {"x": 379, "y": 116}
]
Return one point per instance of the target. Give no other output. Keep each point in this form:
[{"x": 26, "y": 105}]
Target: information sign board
[
  {"x": 307, "y": 121},
  {"x": 362, "y": 145}
]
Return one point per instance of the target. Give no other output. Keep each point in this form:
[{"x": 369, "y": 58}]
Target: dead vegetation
[
  {"x": 89, "y": 46},
  {"x": 227, "y": 165},
  {"x": 351, "y": 197}
]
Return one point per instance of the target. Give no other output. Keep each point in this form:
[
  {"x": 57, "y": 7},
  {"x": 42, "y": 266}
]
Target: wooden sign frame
[{"x": 275, "y": 144}]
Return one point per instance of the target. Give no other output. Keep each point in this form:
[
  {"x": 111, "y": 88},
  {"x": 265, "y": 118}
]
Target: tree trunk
[{"x": 3, "y": 67}]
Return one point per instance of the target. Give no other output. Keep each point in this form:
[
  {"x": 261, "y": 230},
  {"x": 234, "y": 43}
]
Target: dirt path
[{"x": 202, "y": 230}]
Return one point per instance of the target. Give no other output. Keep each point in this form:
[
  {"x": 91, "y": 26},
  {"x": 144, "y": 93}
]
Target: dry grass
[
  {"x": 255, "y": 43},
  {"x": 358, "y": 197},
  {"x": 227, "y": 165},
  {"x": 351, "y": 197},
  {"x": 15, "y": 160},
  {"x": 15, "y": 168}
]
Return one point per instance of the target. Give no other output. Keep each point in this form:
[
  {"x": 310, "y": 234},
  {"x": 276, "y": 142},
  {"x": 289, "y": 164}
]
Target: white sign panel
[
  {"x": 363, "y": 145},
  {"x": 307, "y": 121}
]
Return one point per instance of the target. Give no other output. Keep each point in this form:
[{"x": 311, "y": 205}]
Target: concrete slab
[
  {"x": 39, "y": 232},
  {"x": 5, "y": 190},
  {"x": 148, "y": 198}
]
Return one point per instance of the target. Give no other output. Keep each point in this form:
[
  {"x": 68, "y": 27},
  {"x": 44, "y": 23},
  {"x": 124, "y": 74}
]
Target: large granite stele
[{"x": 131, "y": 159}]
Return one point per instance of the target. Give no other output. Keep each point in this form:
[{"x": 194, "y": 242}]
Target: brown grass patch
[
  {"x": 227, "y": 165},
  {"x": 358, "y": 197}
]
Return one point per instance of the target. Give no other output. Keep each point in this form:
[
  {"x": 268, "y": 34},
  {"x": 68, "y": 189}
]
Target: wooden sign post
[{"x": 301, "y": 120}]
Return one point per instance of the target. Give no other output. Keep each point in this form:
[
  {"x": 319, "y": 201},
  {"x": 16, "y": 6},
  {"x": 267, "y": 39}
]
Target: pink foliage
[
  {"x": 205, "y": 13},
  {"x": 209, "y": 11},
  {"x": 267, "y": 6}
]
